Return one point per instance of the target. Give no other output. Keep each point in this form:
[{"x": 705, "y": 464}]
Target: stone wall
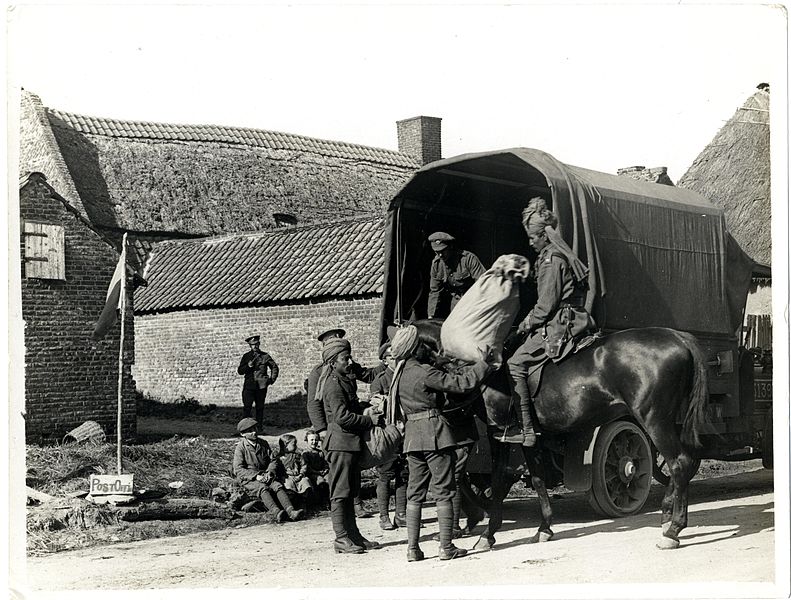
[
  {"x": 195, "y": 353},
  {"x": 69, "y": 378}
]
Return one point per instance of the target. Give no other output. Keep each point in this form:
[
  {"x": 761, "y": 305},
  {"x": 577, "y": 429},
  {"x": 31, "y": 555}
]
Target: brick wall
[
  {"x": 70, "y": 379},
  {"x": 195, "y": 353},
  {"x": 420, "y": 138}
]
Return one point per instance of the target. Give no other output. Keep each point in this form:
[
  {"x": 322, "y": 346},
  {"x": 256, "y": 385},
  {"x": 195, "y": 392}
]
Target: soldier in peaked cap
[
  {"x": 453, "y": 271},
  {"x": 260, "y": 371},
  {"x": 331, "y": 333}
]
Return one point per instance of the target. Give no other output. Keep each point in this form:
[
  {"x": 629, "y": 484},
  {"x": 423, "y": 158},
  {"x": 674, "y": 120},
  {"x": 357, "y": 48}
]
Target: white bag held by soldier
[{"x": 486, "y": 312}]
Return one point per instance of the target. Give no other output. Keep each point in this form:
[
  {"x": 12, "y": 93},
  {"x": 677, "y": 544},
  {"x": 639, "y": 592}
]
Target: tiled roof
[
  {"x": 328, "y": 259},
  {"x": 231, "y": 135}
]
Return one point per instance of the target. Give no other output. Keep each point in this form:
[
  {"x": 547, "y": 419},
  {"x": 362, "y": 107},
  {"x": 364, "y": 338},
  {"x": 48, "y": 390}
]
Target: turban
[
  {"x": 537, "y": 218},
  {"x": 333, "y": 347},
  {"x": 404, "y": 342}
]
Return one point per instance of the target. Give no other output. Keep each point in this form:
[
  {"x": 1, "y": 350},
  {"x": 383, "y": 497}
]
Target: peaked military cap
[
  {"x": 253, "y": 339},
  {"x": 246, "y": 423},
  {"x": 330, "y": 332},
  {"x": 440, "y": 240},
  {"x": 383, "y": 350}
]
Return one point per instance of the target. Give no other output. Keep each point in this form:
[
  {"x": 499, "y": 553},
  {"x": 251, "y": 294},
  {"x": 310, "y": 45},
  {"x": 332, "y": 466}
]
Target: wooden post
[{"x": 122, "y": 307}]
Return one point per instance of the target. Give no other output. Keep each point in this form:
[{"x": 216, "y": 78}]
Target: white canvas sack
[{"x": 484, "y": 315}]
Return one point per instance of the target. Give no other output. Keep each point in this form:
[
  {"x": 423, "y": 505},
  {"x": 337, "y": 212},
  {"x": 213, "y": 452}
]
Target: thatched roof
[
  {"x": 286, "y": 265},
  {"x": 733, "y": 171},
  {"x": 208, "y": 180}
]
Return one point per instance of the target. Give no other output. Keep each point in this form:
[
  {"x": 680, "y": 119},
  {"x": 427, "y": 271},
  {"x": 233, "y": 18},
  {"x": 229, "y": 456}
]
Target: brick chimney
[
  {"x": 654, "y": 175},
  {"x": 420, "y": 138}
]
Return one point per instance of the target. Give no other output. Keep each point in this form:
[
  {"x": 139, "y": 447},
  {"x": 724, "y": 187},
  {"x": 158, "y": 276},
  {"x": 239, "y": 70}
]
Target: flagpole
[{"x": 122, "y": 306}]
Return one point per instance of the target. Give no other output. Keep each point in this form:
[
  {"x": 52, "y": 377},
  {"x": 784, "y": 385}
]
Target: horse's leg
[
  {"x": 675, "y": 502},
  {"x": 535, "y": 465},
  {"x": 500, "y": 486}
]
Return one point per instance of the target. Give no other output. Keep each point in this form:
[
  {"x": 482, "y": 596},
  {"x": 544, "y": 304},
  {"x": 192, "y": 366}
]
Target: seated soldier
[{"x": 254, "y": 469}]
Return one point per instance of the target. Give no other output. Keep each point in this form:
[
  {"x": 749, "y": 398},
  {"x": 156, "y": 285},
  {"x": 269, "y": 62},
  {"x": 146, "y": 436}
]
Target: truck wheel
[
  {"x": 623, "y": 463},
  {"x": 767, "y": 447}
]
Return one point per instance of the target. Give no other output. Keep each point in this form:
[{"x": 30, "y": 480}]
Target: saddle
[{"x": 511, "y": 432}]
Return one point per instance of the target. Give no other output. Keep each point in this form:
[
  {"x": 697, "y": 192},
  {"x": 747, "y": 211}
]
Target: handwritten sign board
[{"x": 111, "y": 485}]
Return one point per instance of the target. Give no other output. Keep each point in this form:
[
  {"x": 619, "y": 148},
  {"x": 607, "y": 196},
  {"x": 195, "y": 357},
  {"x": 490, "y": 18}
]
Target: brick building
[
  {"x": 66, "y": 268},
  {"x": 158, "y": 181},
  {"x": 206, "y": 296}
]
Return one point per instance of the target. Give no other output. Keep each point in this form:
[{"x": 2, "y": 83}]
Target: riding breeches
[{"x": 431, "y": 471}]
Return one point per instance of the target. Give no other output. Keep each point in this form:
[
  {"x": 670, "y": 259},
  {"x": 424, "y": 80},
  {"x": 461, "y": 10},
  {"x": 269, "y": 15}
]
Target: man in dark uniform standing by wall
[
  {"x": 260, "y": 371},
  {"x": 453, "y": 271}
]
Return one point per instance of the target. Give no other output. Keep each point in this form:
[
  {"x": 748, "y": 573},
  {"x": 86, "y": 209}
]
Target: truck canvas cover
[{"x": 658, "y": 255}]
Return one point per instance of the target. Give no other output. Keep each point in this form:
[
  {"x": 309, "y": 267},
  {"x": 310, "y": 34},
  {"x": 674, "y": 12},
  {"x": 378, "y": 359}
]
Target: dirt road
[{"x": 730, "y": 539}]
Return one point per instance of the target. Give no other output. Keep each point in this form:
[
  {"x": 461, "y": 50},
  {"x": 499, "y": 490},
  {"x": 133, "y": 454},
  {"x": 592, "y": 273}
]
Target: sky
[{"x": 595, "y": 85}]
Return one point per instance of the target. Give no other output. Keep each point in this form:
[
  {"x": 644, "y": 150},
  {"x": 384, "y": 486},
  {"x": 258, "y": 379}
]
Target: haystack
[{"x": 733, "y": 171}]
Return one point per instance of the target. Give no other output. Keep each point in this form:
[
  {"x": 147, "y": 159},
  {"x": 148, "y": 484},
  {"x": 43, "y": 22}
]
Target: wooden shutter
[{"x": 45, "y": 251}]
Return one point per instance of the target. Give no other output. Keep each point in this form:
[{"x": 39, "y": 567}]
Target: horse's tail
[{"x": 698, "y": 395}]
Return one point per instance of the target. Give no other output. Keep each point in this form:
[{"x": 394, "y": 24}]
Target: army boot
[
  {"x": 383, "y": 501},
  {"x": 447, "y": 551},
  {"x": 413, "y": 517},
  {"x": 342, "y": 544},
  {"x": 354, "y": 533},
  {"x": 399, "y": 520}
]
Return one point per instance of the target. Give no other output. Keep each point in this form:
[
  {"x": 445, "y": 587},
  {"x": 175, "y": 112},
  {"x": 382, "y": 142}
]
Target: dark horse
[{"x": 647, "y": 375}]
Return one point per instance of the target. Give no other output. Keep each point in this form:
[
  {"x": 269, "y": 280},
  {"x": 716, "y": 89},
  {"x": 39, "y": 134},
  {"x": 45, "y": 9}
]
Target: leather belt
[{"x": 426, "y": 414}]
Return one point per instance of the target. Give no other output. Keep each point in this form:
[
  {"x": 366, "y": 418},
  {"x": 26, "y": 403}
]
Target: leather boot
[
  {"x": 343, "y": 544},
  {"x": 354, "y": 533},
  {"x": 278, "y": 514},
  {"x": 447, "y": 551},
  {"x": 359, "y": 510},
  {"x": 383, "y": 500},
  {"x": 413, "y": 516},
  {"x": 285, "y": 502},
  {"x": 522, "y": 401},
  {"x": 400, "y": 506}
]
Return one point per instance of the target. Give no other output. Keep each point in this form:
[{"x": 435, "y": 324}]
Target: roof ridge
[
  {"x": 253, "y": 235},
  {"x": 246, "y": 136}
]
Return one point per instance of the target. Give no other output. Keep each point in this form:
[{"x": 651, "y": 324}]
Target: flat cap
[
  {"x": 383, "y": 350},
  {"x": 253, "y": 339},
  {"x": 331, "y": 333},
  {"x": 245, "y": 424},
  {"x": 440, "y": 240}
]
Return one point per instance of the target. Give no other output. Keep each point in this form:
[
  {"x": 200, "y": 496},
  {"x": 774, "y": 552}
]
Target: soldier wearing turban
[
  {"x": 430, "y": 442},
  {"x": 313, "y": 403},
  {"x": 345, "y": 423},
  {"x": 559, "y": 316}
]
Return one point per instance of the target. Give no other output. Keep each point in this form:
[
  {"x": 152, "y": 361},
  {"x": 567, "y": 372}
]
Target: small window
[{"x": 45, "y": 251}]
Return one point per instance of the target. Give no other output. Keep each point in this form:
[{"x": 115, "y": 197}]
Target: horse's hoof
[
  {"x": 667, "y": 543},
  {"x": 484, "y": 544},
  {"x": 545, "y": 536}
]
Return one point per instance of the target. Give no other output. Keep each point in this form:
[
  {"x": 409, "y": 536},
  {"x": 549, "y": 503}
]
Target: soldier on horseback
[{"x": 559, "y": 316}]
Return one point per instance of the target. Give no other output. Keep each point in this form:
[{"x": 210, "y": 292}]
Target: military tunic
[
  {"x": 451, "y": 280},
  {"x": 559, "y": 314},
  {"x": 315, "y": 408},
  {"x": 343, "y": 442},
  {"x": 429, "y": 438},
  {"x": 257, "y": 380}
]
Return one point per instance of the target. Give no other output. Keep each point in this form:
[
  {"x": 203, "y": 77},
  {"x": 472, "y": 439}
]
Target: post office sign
[{"x": 111, "y": 485}]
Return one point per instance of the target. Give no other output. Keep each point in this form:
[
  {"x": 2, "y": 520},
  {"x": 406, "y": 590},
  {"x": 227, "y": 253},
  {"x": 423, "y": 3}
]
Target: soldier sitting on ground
[{"x": 254, "y": 468}]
